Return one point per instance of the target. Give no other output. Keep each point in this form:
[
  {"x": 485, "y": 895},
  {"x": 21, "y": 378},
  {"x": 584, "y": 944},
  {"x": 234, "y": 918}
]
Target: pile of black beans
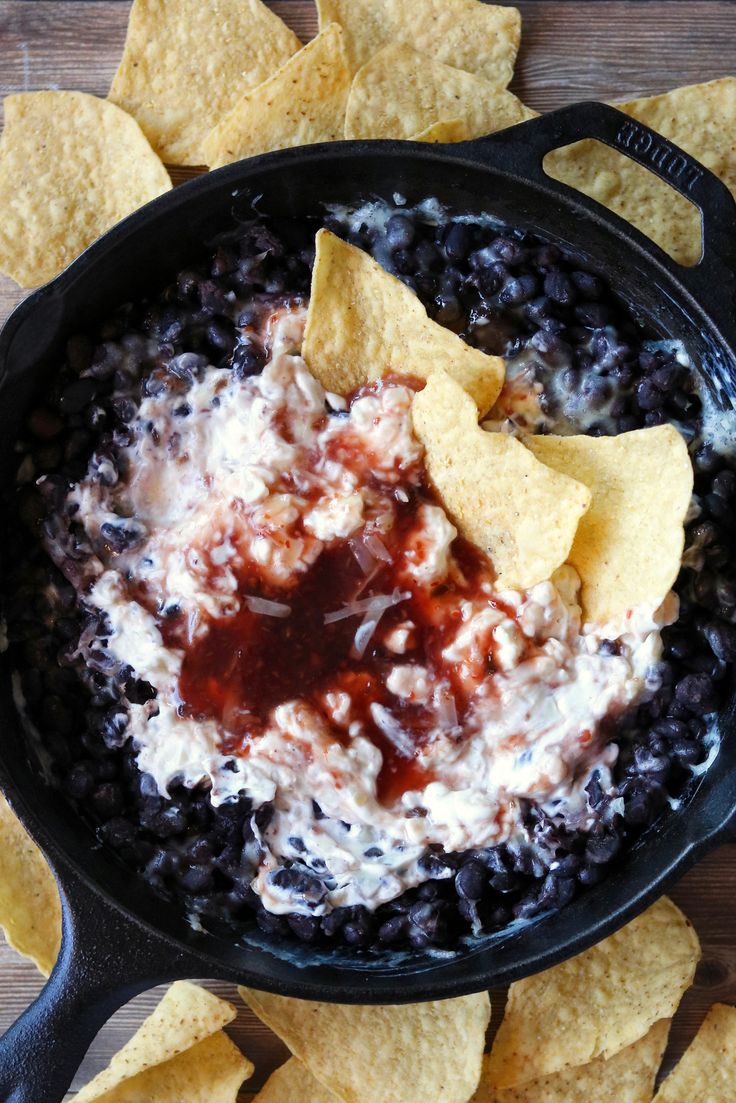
[{"x": 502, "y": 291}]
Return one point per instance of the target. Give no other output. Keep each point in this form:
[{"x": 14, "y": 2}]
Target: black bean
[
  {"x": 107, "y": 800},
  {"x": 695, "y": 692},
  {"x": 559, "y": 288},
  {"x": 722, "y": 641},
  {"x": 400, "y": 231},
  {"x": 77, "y": 395},
  {"x": 471, "y": 880},
  {"x": 305, "y": 927},
  {"x": 393, "y": 929}
]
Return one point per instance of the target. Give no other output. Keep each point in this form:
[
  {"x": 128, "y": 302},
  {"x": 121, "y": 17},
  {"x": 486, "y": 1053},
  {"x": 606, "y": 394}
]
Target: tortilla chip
[
  {"x": 304, "y": 102},
  {"x": 210, "y": 1072},
  {"x": 364, "y": 323},
  {"x": 186, "y": 1017},
  {"x": 480, "y": 38},
  {"x": 292, "y": 1083},
  {"x": 187, "y": 63},
  {"x": 629, "y": 544},
  {"x": 71, "y": 166},
  {"x": 707, "y": 1070},
  {"x": 597, "y": 1003},
  {"x": 400, "y": 92},
  {"x": 626, "y": 1078},
  {"x": 446, "y": 130},
  {"x": 701, "y": 119},
  {"x": 427, "y": 1051},
  {"x": 523, "y": 515},
  {"x": 30, "y": 909}
]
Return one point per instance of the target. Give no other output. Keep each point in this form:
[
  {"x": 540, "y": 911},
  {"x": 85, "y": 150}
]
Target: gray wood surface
[{"x": 571, "y": 50}]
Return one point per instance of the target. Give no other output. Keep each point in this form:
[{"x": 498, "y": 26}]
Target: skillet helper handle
[
  {"x": 105, "y": 960},
  {"x": 713, "y": 278}
]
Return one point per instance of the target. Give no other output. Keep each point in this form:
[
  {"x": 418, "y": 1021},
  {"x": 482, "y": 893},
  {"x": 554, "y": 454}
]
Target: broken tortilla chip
[
  {"x": 363, "y": 323},
  {"x": 338, "y": 1044},
  {"x": 597, "y": 1003},
  {"x": 293, "y": 1083},
  {"x": 401, "y": 92},
  {"x": 523, "y": 515},
  {"x": 187, "y": 63},
  {"x": 480, "y": 38},
  {"x": 30, "y": 909},
  {"x": 629, "y": 544},
  {"x": 302, "y": 103},
  {"x": 628, "y": 1077},
  {"x": 71, "y": 166},
  {"x": 185, "y": 1031},
  {"x": 701, "y": 119},
  {"x": 706, "y": 1072},
  {"x": 446, "y": 130}
]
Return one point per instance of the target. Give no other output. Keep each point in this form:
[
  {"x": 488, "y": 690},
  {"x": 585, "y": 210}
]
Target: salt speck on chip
[
  {"x": 179, "y": 1052},
  {"x": 363, "y": 323},
  {"x": 71, "y": 166},
  {"x": 701, "y": 119},
  {"x": 628, "y": 1077},
  {"x": 629, "y": 544},
  {"x": 429, "y": 1051},
  {"x": 597, "y": 1003},
  {"x": 186, "y": 64},
  {"x": 302, "y": 103},
  {"x": 480, "y": 38},
  {"x": 706, "y": 1072},
  {"x": 30, "y": 909},
  {"x": 523, "y": 515},
  {"x": 401, "y": 92}
]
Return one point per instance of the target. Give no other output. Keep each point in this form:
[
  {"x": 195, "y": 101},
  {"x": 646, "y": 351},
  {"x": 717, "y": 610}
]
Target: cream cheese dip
[{"x": 273, "y": 563}]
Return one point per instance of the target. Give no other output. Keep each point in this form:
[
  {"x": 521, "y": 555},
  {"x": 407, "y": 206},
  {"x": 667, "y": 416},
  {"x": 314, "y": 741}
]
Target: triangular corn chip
[
  {"x": 480, "y": 38},
  {"x": 701, "y": 119},
  {"x": 71, "y": 166},
  {"x": 185, "y": 1017},
  {"x": 628, "y": 1077},
  {"x": 597, "y": 1003},
  {"x": 30, "y": 909},
  {"x": 401, "y": 92},
  {"x": 293, "y": 1083},
  {"x": 523, "y": 515},
  {"x": 363, "y": 324},
  {"x": 707, "y": 1070},
  {"x": 302, "y": 103},
  {"x": 186, "y": 63},
  {"x": 628, "y": 547},
  {"x": 427, "y": 1051}
]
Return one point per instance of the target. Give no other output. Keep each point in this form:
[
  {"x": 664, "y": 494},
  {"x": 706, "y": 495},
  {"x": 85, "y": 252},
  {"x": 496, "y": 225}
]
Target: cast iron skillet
[{"x": 118, "y": 939}]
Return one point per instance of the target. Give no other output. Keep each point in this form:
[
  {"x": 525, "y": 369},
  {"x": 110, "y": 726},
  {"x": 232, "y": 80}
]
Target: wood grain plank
[{"x": 571, "y": 50}]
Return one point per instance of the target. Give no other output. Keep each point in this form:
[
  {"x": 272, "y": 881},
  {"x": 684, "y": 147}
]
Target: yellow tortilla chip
[
  {"x": 480, "y": 38},
  {"x": 293, "y": 1083},
  {"x": 187, "y": 63},
  {"x": 400, "y": 92},
  {"x": 707, "y": 1070},
  {"x": 186, "y": 1017},
  {"x": 446, "y": 130},
  {"x": 597, "y": 1003},
  {"x": 30, "y": 909},
  {"x": 71, "y": 166},
  {"x": 523, "y": 515},
  {"x": 701, "y": 119},
  {"x": 210, "y": 1072},
  {"x": 629, "y": 544},
  {"x": 363, "y": 323},
  {"x": 302, "y": 103},
  {"x": 428, "y": 1051},
  {"x": 626, "y": 1078}
]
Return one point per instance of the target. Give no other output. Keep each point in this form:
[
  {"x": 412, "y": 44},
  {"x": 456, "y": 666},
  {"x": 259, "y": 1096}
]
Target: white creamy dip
[{"x": 448, "y": 705}]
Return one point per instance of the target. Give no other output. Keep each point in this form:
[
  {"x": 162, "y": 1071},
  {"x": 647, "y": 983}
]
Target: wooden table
[{"x": 571, "y": 50}]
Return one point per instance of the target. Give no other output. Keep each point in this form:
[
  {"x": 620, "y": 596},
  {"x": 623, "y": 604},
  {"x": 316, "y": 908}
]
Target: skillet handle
[
  {"x": 713, "y": 279},
  {"x": 105, "y": 959}
]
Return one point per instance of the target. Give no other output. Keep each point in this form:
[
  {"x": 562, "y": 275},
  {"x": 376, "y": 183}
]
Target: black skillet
[{"x": 118, "y": 939}]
